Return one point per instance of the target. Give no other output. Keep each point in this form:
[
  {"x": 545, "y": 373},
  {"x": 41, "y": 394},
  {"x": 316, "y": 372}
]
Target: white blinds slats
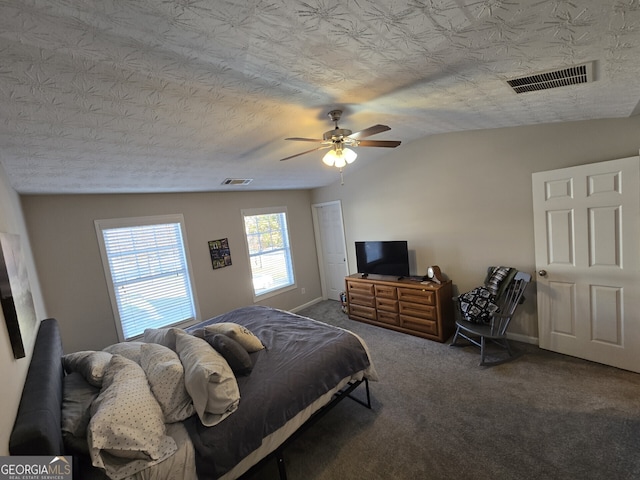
[{"x": 150, "y": 278}]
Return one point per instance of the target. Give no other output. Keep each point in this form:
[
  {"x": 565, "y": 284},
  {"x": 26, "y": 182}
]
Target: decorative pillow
[
  {"x": 234, "y": 353},
  {"x": 165, "y": 375},
  {"x": 130, "y": 350},
  {"x": 496, "y": 279},
  {"x": 240, "y": 334},
  {"x": 77, "y": 397},
  {"x": 208, "y": 379},
  {"x": 91, "y": 365},
  {"x": 478, "y": 305},
  {"x": 162, "y": 336},
  {"x": 127, "y": 423}
]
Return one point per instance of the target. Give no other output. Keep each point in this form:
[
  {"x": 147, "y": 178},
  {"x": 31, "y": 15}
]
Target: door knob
[{"x": 542, "y": 273}]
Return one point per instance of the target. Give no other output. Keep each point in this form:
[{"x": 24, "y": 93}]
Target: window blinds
[{"x": 149, "y": 274}]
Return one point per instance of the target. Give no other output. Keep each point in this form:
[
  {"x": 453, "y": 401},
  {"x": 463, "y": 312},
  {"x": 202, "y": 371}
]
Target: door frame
[{"x": 318, "y": 238}]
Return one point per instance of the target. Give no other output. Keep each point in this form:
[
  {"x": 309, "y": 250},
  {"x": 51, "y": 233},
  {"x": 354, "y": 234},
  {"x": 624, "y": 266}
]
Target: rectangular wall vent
[
  {"x": 237, "y": 181},
  {"x": 554, "y": 78}
]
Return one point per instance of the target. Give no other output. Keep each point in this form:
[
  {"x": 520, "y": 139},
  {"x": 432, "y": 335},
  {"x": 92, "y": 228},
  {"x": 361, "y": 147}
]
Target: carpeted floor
[{"x": 438, "y": 415}]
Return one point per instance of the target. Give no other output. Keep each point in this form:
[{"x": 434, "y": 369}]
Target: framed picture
[
  {"x": 15, "y": 293},
  {"x": 220, "y": 253}
]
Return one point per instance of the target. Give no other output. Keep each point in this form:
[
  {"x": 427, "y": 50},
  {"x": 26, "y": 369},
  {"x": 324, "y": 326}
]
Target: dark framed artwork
[
  {"x": 15, "y": 293},
  {"x": 220, "y": 253}
]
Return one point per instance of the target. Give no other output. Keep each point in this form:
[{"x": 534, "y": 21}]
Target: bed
[{"x": 303, "y": 368}]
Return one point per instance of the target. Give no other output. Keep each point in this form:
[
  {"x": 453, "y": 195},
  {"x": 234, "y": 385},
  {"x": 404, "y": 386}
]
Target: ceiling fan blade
[
  {"x": 303, "y": 153},
  {"x": 299, "y": 139},
  {"x": 367, "y": 132},
  {"x": 379, "y": 143}
]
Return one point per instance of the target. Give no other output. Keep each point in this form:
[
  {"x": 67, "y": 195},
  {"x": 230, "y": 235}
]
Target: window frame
[
  {"x": 251, "y": 212},
  {"x": 113, "y": 223}
]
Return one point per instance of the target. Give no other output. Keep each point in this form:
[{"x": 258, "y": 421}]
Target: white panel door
[
  {"x": 331, "y": 247},
  {"x": 587, "y": 239}
]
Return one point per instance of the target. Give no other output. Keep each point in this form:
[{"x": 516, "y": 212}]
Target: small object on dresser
[{"x": 434, "y": 274}]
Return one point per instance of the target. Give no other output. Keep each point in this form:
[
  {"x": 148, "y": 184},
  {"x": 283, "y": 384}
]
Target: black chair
[{"x": 493, "y": 326}]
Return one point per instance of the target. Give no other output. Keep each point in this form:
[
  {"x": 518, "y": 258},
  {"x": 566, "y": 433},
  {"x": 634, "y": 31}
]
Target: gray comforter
[{"x": 303, "y": 360}]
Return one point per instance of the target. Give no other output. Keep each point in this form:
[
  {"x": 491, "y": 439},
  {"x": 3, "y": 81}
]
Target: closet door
[{"x": 331, "y": 247}]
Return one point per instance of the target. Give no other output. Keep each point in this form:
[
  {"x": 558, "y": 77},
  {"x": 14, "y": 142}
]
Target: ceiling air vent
[
  {"x": 237, "y": 181},
  {"x": 553, "y": 78}
]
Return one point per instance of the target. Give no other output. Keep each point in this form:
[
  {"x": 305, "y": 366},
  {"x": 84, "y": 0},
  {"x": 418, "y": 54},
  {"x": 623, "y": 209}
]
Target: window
[
  {"x": 146, "y": 268},
  {"x": 269, "y": 250}
]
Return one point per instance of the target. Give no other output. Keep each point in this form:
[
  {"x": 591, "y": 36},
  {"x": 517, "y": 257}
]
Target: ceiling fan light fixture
[
  {"x": 339, "y": 157},
  {"x": 338, "y": 139},
  {"x": 329, "y": 158},
  {"x": 349, "y": 155}
]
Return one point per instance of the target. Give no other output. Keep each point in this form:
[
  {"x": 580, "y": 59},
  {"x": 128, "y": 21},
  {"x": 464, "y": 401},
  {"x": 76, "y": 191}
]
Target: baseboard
[
  {"x": 522, "y": 338},
  {"x": 306, "y": 305}
]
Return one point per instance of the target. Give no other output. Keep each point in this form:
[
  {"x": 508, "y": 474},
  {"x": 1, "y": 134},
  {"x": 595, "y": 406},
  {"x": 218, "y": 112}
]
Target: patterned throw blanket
[{"x": 479, "y": 304}]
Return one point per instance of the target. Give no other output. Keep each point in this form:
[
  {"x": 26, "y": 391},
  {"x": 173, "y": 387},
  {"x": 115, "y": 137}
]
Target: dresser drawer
[
  {"x": 386, "y": 291},
  {"x": 388, "y": 317},
  {"x": 386, "y": 304},
  {"x": 366, "y": 300},
  {"x": 419, "y": 324},
  {"x": 361, "y": 288},
  {"x": 363, "y": 312},
  {"x": 414, "y": 295},
  {"x": 418, "y": 310}
]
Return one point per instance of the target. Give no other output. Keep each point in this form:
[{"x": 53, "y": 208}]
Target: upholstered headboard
[{"x": 37, "y": 427}]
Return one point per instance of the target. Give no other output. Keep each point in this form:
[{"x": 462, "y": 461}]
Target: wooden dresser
[{"x": 409, "y": 306}]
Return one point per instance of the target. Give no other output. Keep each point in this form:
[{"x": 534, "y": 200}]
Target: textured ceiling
[{"x": 159, "y": 95}]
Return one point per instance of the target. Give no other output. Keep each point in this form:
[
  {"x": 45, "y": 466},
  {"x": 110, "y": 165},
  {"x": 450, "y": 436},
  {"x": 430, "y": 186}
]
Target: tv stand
[{"x": 402, "y": 304}]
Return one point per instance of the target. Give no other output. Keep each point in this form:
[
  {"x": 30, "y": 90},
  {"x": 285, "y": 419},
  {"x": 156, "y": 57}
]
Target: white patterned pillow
[
  {"x": 162, "y": 336},
  {"x": 208, "y": 379},
  {"x": 240, "y": 334},
  {"x": 130, "y": 350},
  {"x": 165, "y": 375},
  {"x": 91, "y": 365},
  {"x": 127, "y": 423}
]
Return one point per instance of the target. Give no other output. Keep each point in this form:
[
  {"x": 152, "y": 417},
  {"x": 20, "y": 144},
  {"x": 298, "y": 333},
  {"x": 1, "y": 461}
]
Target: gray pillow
[
  {"x": 239, "y": 333},
  {"x": 234, "y": 353},
  {"x": 77, "y": 397},
  {"x": 91, "y": 365}
]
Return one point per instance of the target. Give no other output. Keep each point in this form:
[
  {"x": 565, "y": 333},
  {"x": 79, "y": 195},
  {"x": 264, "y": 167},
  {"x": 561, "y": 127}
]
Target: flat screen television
[{"x": 383, "y": 257}]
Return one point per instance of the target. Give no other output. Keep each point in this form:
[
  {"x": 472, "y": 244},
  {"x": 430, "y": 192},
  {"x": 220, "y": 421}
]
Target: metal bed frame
[{"x": 278, "y": 454}]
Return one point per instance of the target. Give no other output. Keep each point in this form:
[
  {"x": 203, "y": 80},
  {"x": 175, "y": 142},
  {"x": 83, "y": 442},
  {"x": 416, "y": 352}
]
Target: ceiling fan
[{"x": 339, "y": 139}]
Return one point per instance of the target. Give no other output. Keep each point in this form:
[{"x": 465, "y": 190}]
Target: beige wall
[
  {"x": 463, "y": 200},
  {"x": 12, "y": 371},
  {"x": 66, "y": 253}
]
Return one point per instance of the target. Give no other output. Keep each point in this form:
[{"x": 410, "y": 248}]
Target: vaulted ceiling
[{"x": 162, "y": 95}]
